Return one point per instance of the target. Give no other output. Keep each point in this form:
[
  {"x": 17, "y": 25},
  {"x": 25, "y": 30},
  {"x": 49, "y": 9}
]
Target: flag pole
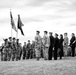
[
  {"x": 17, "y": 33},
  {"x": 11, "y": 32}
]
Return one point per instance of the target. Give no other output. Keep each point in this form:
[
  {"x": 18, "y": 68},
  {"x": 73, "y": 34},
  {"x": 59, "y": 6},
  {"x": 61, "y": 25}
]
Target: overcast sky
[{"x": 51, "y": 15}]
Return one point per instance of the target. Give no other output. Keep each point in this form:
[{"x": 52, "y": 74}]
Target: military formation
[{"x": 45, "y": 47}]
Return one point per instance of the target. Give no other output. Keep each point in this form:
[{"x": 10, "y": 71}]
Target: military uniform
[
  {"x": 46, "y": 46},
  {"x": 73, "y": 44},
  {"x": 24, "y": 51},
  {"x": 32, "y": 50},
  {"x": 14, "y": 51},
  {"x": 28, "y": 51},
  {"x": 4, "y": 51},
  {"x": 56, "y": 46},
  {"x": 38, "y": 46},
  {"x": 65, "y": 46}
]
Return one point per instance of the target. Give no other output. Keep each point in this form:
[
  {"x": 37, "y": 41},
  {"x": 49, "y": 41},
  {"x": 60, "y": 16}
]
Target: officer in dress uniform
[
  {"x": 51, "y": 45},
  {"x": 56, "y": 46},
  {"x": 38, "y": 45},
  {"x": 61, "y": 46},
  {"x": 46, "y": 45},
  {"x": 72, "y": 44}
]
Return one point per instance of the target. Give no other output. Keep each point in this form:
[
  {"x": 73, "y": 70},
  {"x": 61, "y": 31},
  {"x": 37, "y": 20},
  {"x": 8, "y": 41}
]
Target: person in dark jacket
[
  {"x": 61, "y": 46},
  {"x": 72, "y": 44},
  {"x": 51, "y": 45},
  {"x": 56, "y": 46}
]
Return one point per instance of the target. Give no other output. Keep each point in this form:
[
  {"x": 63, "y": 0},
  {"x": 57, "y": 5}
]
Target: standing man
[
  {"x": 38, "y": 45},
  {"x": 51, "y": 45},
  {"x": 33, "y": 49},
  {"x": 65, "y": 44},
  {"x": 46, "y": 45},
  {"x": 24, "y": 50},
  {"x": 72, "y": 44},
  {"x": 61, "y": 46},
  {"x": 56, "y": 46},
  {"x": 14, "y": 49},
  {"x": 28, "y": 50}
]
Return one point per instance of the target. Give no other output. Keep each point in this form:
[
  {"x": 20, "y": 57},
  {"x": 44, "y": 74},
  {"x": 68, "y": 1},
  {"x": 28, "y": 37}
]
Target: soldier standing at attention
[
  {"x": 51, "y": 45},
  {"x": 56, "y": 46},
  {"x": 65, "y": 44},
  {"x": 28, "y": 50},
  {"x": 38, "y": 45},
  {"x": 17, "y": 50},
  {"x": 72, "y": 44},
  {"x": 61, "y": 46},
  {"x": 46, "y": 45},
  {"x": 10, "y": 47},
  {"x": 24, "y": 50},
  {"x": 5, "y": 48},
  {"x": 32, "y": 49},
  {"x": 14, "y": 49}
]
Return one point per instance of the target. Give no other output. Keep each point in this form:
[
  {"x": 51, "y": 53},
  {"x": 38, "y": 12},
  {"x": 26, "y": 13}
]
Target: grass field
[{"x": 66, "y": 66}]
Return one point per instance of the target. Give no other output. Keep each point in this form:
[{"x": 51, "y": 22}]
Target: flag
[
  {"x": 12, "y": 22},
  {"x": 20, "y": 24}
]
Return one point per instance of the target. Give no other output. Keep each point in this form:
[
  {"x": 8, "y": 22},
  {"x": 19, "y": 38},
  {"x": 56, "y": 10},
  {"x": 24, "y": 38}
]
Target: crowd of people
[{"x": 45, "y": 47}]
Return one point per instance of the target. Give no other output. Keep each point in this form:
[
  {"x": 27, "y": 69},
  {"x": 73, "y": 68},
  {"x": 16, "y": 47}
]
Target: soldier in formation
[{"x": 46, "y": 47}]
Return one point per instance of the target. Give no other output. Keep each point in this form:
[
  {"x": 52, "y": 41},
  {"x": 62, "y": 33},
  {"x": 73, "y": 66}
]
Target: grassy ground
[{"x": 66, "y": 66}]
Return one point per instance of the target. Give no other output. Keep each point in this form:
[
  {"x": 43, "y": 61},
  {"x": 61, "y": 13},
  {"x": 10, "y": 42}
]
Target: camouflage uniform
[
  {"x": 18, "y": 52},
  {"x": 24, "y": 52},
  {"x": 4, "y": 51},
  {"x": 9, "y": 51},
  {"x": 33, "y": 50},
  {"x": 14, "y": 51},
  {"x": 45, "y": 46},
  {"x": 65, "y": 46},
  {"x": 28, "y": 51},
  {"x": 38, "y": 46}
]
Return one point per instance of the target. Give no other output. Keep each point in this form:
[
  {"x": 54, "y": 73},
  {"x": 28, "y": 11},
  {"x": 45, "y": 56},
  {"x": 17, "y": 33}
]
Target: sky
[{"x": 57, "y": 16}]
